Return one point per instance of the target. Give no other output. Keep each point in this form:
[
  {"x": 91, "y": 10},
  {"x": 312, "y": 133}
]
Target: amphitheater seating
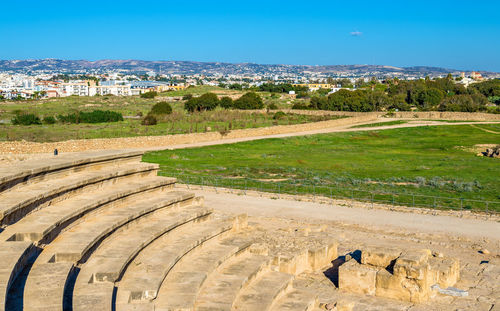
[{"x": 101, "y": 231}]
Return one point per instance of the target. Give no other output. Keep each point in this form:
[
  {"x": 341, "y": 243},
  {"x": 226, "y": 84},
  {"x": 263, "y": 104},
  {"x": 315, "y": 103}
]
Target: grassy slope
[
  {"x": 396, "y": 160},
  {"x": 180, "y": 122}
]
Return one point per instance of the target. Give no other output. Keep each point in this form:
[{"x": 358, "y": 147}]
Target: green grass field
[
  {"x": 429, "y": 161},
  {"x": 381, "y": 124}
]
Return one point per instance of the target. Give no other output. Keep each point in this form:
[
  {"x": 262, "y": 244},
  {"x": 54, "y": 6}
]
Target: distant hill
[{"x": 190, "y": 67}]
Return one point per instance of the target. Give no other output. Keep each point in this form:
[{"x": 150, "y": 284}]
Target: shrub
[
  {"x": 187, "y": 96},
  {"x": 300, "y": 106},
  {"x": 49, "y": 120},
  {"x": 250, "y": 100},
  {"x": 272, "y": 106},
  {"x": 96, "y": 116},
  {"x": 150, "y": 94},
  {"x": 279, "y": 115},
  {"x": 26, "y": 119},
  {"x": 226, "y": 102},
  {"x": 207, "y": 101},
  {"x": 161, "y": 108},
  {"x": 149, "y": 120}
]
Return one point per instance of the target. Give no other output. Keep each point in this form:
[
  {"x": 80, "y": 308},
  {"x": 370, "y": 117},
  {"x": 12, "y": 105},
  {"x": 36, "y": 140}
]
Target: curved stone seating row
[
  {"x": 56, "y": 213},
  {"x": 18, "y": 240},
  {"x": 16, "y": 203},
  {"x": 75, "y": 244},
  {"x": 182, "y": 284},
  {"x": 96, "y": 280},
  {"x": 39, "y": 169}
]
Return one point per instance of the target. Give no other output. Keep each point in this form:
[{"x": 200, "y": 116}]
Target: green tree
[
  {"x": 250, "y": 100},
  {"x": 161, "y": 108},
  {"x": 226, "y": 102},
  {"x": 207, "y": 101}
]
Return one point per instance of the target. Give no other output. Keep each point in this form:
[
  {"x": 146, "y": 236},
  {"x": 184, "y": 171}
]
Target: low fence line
[{"x": 378, "y": 197}]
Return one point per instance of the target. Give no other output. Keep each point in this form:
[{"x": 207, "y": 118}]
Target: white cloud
[{"x": 356, "y": 33}]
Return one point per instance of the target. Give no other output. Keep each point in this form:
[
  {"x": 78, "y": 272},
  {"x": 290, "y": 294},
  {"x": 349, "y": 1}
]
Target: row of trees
[
  {"x": 424, "y": 95},
  {"x": 210, "y": 101},
  {"x": 96, "y": 116}
]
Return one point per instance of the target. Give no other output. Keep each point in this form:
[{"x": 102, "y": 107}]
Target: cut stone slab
[
  {"x": 46, "y": 222},
  {"x": 446, "y": 271},
  {"x": 296, "y": 300},
  {"x": 221, "y": 289},
  {"x": 95, "y": 297},
  {"x": 183, "y": 283},
  {"x": 45, "y": 287},
  {"x": 357, "y": 278},
  {"x": 379, "y": 257},
  {"x": 401, "y": 288},
  {"x": 264, "y": 291}
]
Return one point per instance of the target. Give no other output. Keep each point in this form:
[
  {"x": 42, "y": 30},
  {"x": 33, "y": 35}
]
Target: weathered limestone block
[
  {"x": 401, "y": 288},
  {"x": 357, "y": 278},
  {"x": 413, "y": 265},
  {"x": 445, "y": 271},
  {"x": 379, "y": 257},
  {"x": 292, "y": 264},
  {"x": 240, "y": 222},
  {"x": 322, "y": 256}
]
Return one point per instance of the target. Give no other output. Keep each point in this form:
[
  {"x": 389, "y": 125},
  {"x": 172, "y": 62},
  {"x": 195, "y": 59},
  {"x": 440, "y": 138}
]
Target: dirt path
[
  {"x": 485, "y": 130},
  {"x": 340, "y": 129},
  {"x": 313, "y": 212}
]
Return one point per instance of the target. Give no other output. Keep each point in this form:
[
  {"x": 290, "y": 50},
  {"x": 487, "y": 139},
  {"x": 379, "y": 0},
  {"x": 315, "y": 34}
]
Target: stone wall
[
  {"x": 448, "y": 115},
  {"x": 434, "y": 115}
]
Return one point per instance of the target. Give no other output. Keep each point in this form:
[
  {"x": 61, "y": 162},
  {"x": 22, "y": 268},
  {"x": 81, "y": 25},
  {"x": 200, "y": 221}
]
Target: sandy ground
[{"x": 314, "y": 212}]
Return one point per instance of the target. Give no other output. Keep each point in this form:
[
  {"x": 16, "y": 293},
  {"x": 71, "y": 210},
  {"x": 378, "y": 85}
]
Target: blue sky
[{"x": 453, "y": 34}]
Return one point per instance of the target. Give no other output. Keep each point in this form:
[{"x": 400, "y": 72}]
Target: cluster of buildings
[
  {"x": 25, "y": 87},
  {"x": 44, "y": 85}
]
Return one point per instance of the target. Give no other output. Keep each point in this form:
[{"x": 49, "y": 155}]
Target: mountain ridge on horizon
[{"x": 197, "y": 67}]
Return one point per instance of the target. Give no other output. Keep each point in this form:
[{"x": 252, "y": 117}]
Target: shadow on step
[
  {"x": 69, "y": 288},
  {"x": 15, "y": 295},
  {"x": 332, "y": 273}
]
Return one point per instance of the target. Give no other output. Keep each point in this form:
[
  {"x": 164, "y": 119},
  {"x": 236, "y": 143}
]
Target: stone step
[
  {"x": 44, "y": 290},
  {"x": 264, "y": 291},
  {"x": 144, "y": 276},
  {"x": 35, "y": 170},
  {"x": 297, "y": 300},
  {"x": 44, "y": 224},
  {"x": 221, "y": 289},
  {"x": 16, "y": 204},
  {"x": 95, "y": 283},
  {"x": 13, "y": 257},
  {"x": 72, "y": 245},
  {"x": 182, "y": 284},
  {"x": 110, "y": 259}
]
